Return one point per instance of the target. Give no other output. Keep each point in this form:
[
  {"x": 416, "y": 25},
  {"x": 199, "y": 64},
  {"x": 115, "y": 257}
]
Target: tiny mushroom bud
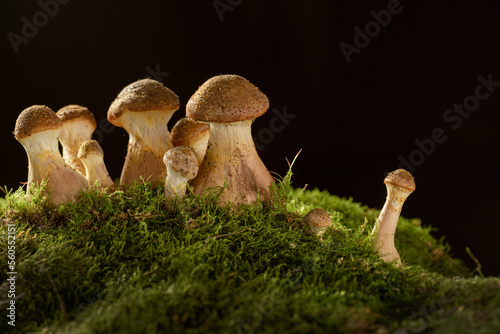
[
  {"x": 37, "y": 129},
  {"x": 230, "y": 103},
  {"x": 191, "y": 133},
  {"x": 78, "y": 124},
  {"x": 182, "y": 166},
  {"x": 92, "y": 156},
  {"x": 400, "y": 184},
  {"x": 143, "y": 109},
  {"x": 318, "y": 220}
]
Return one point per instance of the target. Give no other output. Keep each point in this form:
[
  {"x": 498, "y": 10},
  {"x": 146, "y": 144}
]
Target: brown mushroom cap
[
  {"x": 143, "y": 95},
  {"x": 318, "y": 218},
  {"x": 226, "y": 99},
  {"x": 36, "y": 119},
  {"x": 186, "y": 131},
  {"x": 182, "y": 159},
  {"x": 90, "y": 147},
  {"x": 75, "y": 112},
  {"x": 401, "y": 178}
]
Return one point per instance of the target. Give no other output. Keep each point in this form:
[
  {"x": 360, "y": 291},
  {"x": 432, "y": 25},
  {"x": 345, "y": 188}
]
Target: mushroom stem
[
  {"x": 45, "y": 162},
  {"x": 175, "y": 184},
  {"x": 231, "y": 158},
  {"x": 149, "y": 139}
]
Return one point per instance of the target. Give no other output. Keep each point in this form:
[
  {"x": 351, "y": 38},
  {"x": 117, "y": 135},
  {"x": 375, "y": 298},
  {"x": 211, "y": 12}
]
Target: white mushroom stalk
[
  {"x": 92, "y": 157},
  {"x": 400, "y": 184},
  {"x": 232, "y": 161},
  {"x": 230, "y": 103},
  {"x": 78, "y": 124},
  {"x": 37, "y": 129},
  {"x": 182, "y": 166},
  {"x": 143, "y": 109}
]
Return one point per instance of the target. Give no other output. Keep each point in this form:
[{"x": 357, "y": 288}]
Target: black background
[{"x": 352, "y": 120}]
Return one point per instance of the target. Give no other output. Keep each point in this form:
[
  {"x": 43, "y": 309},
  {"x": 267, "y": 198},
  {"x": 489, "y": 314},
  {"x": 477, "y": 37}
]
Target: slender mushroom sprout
[
  {"x": 182, "y": 166},
  {"x": 193, "y": 134},
  {"x": 143, "y": 109},
  {"x": 92, "y": 157},
  {"x": 400, "y": 184},
  {"x": 318, "y": 220},
  {"x": 37, "y": 129},
  {"x": 78, "y": 124},
  {"x": 230, "y": 103}
]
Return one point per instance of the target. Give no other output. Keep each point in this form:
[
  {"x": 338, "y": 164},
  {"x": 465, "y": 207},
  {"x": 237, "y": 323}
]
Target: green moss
[{"x": 133, "y": 262}]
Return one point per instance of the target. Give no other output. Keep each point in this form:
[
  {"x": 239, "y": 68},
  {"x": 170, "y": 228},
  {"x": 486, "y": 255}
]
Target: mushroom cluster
[
  {"x": 211, "y": 147},
  {"x": 37, "y": 129}
]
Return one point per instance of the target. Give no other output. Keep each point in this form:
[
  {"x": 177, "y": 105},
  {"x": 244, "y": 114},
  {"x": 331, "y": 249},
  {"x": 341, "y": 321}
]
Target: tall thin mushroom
[{"x": 400, "y": 184}]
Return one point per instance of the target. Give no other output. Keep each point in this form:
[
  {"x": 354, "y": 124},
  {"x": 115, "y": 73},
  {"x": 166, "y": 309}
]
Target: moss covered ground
[{"x": 131, "y": 261}]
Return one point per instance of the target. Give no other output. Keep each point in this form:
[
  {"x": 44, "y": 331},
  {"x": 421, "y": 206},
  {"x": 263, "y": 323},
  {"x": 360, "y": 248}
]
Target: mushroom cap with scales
[
  {"x": 90, "y": 147},
  {"x": 76, "y": 112},
  {"x": 318, "y": 218},
  {"x": 182, "y": 160},
  {"x": 143, "y": 95},
  {"x": 227, "y": 98},
  {"x": 35, "y": 119},
  {"x": 401, "y": 178},
  {"x": 187, "y": 131}
]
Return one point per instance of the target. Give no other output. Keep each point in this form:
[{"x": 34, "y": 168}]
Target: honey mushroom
[
  {"x": 92, "y": 157},
  {"x": 37, "y": 129},
  {"x": 78, "y": 124},
  {"x": 193, "y": 134},
  {"x": 143, "y": 109},
  {"x": 182, "y": 166},
  {"x": 400, "y": 184},
  {"x": 230, "y": 103}
]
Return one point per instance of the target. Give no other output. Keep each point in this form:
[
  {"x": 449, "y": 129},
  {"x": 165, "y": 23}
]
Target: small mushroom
[
  {"x": 230, "y": 103},
  {"x": 193, "y": 134},
  {"x": 400, "y": 184},
  {"x": 37, "y": 129},
  {"x": 78, "y": 124},
  {"x": 143, "y": 109},
  {"x": 92, "y": 157},
  {"x": 182, "y": 166},
  {"x": 317, "y": 220}
]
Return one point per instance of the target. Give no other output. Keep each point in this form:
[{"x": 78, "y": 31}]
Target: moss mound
[{"x": 133, "y": 262}]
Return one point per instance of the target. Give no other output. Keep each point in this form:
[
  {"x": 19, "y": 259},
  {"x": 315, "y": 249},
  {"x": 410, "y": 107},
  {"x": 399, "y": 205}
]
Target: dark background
[{"x": 352, "y": 120}]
